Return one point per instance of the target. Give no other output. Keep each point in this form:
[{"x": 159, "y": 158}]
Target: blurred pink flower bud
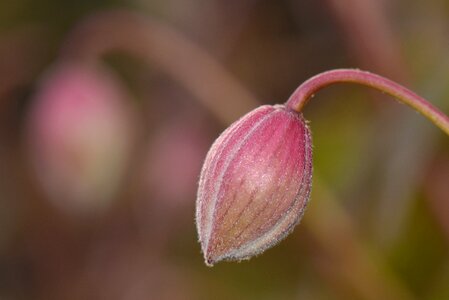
[
  {"x": 168, "y": 174},
  {"x": 79, "y": 136},
  {"x": 254, "y": 185}
]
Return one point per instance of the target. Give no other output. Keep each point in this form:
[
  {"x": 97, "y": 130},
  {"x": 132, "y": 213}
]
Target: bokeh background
[{"x": 108, "y": 107}]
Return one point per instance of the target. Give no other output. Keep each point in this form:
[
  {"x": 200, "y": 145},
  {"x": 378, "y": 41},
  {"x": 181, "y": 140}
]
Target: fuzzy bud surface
[{"x": 255, "y": 184}]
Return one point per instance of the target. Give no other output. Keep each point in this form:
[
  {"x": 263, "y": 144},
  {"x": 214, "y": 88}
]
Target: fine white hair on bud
[{"x": 255, "y": 184}]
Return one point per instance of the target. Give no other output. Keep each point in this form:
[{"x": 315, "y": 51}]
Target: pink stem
[{"x": 305, "y": 91}]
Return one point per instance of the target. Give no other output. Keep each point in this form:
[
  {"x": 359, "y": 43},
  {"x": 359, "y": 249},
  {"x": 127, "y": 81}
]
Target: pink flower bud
[
  {"x": 254, "y": 185},
  {"x": 79, "y": 134}
]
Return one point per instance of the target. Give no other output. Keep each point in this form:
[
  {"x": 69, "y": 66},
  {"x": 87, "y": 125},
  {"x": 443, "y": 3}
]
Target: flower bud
[
  {"x": 79, "y": 136},
  {"x": 254, "y": 185}
]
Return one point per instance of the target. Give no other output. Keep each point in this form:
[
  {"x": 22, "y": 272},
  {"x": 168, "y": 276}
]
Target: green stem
[{"x": 305, "y": 91}]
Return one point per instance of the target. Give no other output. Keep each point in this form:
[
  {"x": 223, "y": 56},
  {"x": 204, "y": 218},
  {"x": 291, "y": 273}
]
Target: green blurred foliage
[{"x": 370, "y": 155}]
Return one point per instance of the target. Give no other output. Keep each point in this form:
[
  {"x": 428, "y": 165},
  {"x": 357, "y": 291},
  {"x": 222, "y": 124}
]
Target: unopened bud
[
  {"x": 79, "y": 132},
  {"x": 254, "y": 185}
]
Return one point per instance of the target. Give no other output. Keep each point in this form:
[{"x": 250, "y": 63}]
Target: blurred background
[{"x": 107, "y": 110}]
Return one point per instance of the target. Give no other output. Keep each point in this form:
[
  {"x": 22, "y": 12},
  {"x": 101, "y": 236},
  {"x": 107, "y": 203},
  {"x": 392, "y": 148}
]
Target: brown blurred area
[{"x": 107, "y": 110}]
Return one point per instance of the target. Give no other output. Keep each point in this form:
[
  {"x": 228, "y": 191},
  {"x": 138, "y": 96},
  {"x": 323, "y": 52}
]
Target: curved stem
[
  {"x": 159, "y": 45},
  {"x": 305, "y": 91}
]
